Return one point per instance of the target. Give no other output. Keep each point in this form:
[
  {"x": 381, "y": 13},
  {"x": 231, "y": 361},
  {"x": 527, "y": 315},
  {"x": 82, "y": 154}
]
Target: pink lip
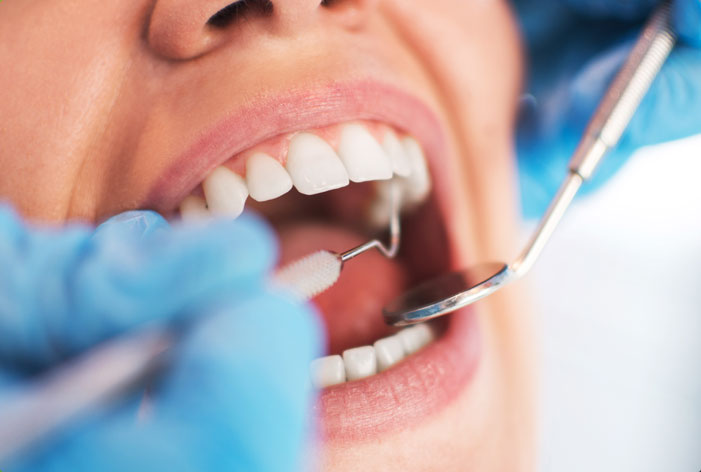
[
  {"x": 272, "y": 116},
  {"x": 407, "y": 393},
  {"x": 423, "y": 383}
]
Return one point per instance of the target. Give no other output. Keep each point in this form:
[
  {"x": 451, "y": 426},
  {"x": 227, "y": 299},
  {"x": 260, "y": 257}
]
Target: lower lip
[{"x": 413, "y": 390}]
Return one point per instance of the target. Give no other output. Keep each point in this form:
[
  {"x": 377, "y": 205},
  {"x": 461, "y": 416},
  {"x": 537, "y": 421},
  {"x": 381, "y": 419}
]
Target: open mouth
[{"x": 326, "y": 188}]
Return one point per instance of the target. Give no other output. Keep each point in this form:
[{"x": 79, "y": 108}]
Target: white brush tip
[{"x": 309, "y": 276}]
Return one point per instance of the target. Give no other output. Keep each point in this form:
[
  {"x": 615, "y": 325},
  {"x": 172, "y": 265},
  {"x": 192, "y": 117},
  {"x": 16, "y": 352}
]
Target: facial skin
[{"x": 99, "y": 97}]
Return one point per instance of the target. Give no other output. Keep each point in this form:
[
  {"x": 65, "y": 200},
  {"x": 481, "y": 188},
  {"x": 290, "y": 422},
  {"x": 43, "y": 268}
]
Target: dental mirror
[
  {"x": 449, "y": 292},
  {"x": 446, "y": 293}
]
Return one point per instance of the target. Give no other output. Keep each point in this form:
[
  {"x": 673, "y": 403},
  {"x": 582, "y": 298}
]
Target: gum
[{"x": 278, "y": 146}]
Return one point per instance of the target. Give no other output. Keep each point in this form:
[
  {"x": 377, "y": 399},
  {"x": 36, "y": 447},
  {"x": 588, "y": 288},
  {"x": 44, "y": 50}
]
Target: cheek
[
  {"x": 63, "y": 81},
  {"x": 472, "y": 51}
]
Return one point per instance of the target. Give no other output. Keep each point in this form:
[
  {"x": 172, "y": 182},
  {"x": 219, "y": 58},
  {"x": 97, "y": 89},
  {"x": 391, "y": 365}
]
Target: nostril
[
  {"x": 238, "y": 10},
  {"x": 350, "y": 13}
]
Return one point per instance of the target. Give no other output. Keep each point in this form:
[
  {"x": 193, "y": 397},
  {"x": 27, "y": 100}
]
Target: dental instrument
[
  {"x": 450, "y": 292},
  {"x": 100, "y": 375},
  {"x": 321, "y": 269}
]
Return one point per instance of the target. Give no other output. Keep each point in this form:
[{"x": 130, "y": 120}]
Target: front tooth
[
  {"x": 360, "y": 362},
  {"x": 225, "y": 192},
  {"x": 194, "y": 208},
  {"x": 395, "y": 151},
  {"x": 266, "y": 178},
  {"x": 388, "y": 351},
  {"x": 362, "y": 155},
  {"x": 418, "y": 184},
  {"x": 314, "y": 165},
  {"x": 327, "y": 371},
  {"x": 415, "y": 337}
]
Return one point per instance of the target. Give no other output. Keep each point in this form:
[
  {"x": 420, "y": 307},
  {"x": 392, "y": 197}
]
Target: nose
[{"x": 185, "y": 29}]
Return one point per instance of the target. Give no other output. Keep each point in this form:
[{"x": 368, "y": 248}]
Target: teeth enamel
[
  {"x": 414, "y": 188},
  {"x": 266, "y": 178},
  {"x": 389, "y": 351},
  {"x": 360, "y": 362},
  {"x": 362, "y": 155},
  {"x": 314, "y": 165},
  {"x": 194, "y": 208},
  {"x": 381, "y": 207},
  {"x": 327, "y": 371},
  {"x": 364, "y": 361},
  {"x": 417, "y": 186},
  {"x": 397, "y": 156},
  {"x": 415, "y": 337},
  {"x": 226, "y": 192}
]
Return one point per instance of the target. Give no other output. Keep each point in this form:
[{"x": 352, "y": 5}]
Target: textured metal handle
[
  {"x": 625, "y": 93},
  {"x": 607, "y": 125}
]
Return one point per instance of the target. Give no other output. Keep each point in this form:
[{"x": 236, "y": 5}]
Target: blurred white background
[{"x": 619, "y": 292}]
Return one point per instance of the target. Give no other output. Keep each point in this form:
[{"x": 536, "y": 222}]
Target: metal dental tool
[
  {"x": 313, "y": 274},
  {"x": 447, "y": 293},
  {"x": 127, "y": 362}
]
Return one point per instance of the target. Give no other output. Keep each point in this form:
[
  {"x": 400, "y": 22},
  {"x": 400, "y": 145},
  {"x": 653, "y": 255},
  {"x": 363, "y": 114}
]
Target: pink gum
[{"x": 278, "y": 146}]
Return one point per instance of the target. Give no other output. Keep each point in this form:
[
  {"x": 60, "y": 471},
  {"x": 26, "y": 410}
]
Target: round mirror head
[{"x": 446, "y": 293}]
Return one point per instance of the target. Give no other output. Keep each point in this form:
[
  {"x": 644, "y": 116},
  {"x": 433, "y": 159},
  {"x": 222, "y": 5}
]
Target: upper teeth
[
  {"x": 313, "y": 166},
  {"x": 363, "y": 156},
  {"x": 266, "y": 177},
  {"x": 394, "y": 149},
  {"x": 225, "y": 191}
]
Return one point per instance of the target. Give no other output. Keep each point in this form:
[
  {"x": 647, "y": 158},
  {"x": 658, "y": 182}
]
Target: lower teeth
[{"x": 364, "y": 361}]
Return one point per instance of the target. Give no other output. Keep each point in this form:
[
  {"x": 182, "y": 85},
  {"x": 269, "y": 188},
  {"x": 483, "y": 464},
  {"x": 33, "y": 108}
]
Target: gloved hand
[
  {"x": 235, "y": 396},
  {"x": 575, "y": 47}
]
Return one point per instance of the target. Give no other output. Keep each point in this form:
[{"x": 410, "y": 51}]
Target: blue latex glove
[
  {"x": 236, "y": 394},
  {"x": 575, "y": 47}
]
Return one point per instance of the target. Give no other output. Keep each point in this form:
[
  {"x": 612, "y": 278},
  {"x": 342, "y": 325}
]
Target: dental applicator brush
[
  {"x": 315, "y": 273},
  {"x": 117, "y": 365}
]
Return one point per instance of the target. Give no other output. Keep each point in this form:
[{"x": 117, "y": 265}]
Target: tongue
[{"x": 352, "y": 308}]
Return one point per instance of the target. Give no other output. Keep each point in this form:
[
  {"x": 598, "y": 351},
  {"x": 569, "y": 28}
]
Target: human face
[{"x": 114, "y": 105}]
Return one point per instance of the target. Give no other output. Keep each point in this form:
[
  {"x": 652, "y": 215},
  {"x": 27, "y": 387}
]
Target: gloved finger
[
  {"x": 686, "y": 14},
  {"x": 670, "y": 110},
  {"x": 672, "y": 107},
  {"x": 8, "y": 378},
  {"x": 687, "y": 21},
  {"x": 542, "y": 20},
  {"x": 614, "y": 9},
  {"x": 137, "y": 223},
  {"x": 236, "y": 398},
  {"x": 548, "y": 135},
  {"x": 62, "y": 290},
  {"x": 255, "y": 354}
]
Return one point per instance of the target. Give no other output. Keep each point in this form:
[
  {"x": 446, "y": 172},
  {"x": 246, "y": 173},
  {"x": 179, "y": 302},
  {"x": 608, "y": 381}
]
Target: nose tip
[{"x": 185, "y": 29}]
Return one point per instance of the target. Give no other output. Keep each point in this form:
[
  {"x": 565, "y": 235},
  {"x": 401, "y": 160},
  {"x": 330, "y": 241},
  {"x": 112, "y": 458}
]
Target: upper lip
[{"x": 332, "y": 103}]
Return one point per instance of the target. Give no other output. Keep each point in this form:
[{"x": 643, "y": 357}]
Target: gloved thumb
[
  {"x": 236, "y": 396},
  {"x": 63, "y": 290},
  {"x": 136, "y": 223}
]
